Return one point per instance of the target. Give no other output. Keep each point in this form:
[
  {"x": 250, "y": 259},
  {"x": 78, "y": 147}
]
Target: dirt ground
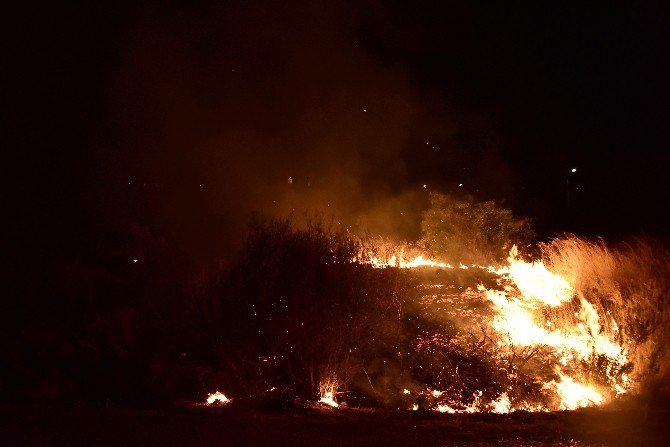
[{"x": 84, "y": 425}]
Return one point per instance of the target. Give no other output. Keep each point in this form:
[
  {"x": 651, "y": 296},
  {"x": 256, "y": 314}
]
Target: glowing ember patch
[{"x": 217, "y": 398}]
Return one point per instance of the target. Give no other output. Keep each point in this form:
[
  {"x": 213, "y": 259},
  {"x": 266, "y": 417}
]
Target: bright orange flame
[
  {"x": 329, "y": 399},
  {"x": 531, "y": 289},
  {"x": 502, "y": 405},
  {"x": 536, "y": 283},
  {"x": 404, "y": 263},
  {"x": 217, "y": 397},
  {"x": 574, "y": 395},
  {"x": 539, "y": 308},
  {"x": 444, "y": 408},
  {"x": 327, "y": 390}
]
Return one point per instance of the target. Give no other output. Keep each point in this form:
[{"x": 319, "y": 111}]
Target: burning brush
[
  {"x": 217, "y": 398},
  {"x": 327, "y": 392}
]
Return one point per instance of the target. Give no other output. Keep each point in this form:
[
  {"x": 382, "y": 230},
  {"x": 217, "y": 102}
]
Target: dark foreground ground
[{"x": 238, "y": 426}]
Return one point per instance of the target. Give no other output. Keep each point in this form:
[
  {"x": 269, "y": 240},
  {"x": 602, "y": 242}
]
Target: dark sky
[{"x": 134, "y": 126}]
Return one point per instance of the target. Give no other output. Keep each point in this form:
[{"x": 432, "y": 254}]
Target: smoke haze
[
  {"x": 240, "y": 108},
  {"x": 170, "y": 124}
]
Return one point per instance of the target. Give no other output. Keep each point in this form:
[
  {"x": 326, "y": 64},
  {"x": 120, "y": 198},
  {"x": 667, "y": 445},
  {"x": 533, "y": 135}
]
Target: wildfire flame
[
  {"x": 329, "y": 399},
  {"x": 539, "y": 308},
  {"x": 217, "y": 398},
  {"x": 502, "y": 404},
  {"x": 574, "y": 395},
  {"x": 327, "y": 390},
  {"x": 536, "y": 283},
  {"x": 580, "y": 337},
  {"x": 444, "y": 408},
  {"x": 403, "y": 260},
  {"x": 406, "y": 263}
]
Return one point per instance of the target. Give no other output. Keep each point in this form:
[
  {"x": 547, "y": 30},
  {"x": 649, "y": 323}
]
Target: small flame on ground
[
  {"x": 327, "y": 390},
  {"x": 444, "y": 408},
  {"x": 217, "y": 398},
  {"x": 502, "y": 405},
  {"x": 404, "y": 263},
  {"x": 329, "y": 399},
  {"x": 574, "y": 395}
]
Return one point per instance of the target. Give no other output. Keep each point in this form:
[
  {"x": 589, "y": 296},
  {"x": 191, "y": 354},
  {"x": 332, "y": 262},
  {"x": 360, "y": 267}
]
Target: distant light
[
  {"x": 365, "y": 110},
  {"x": 135, "y": 260},
  {"x": 573, "y": 170},
  {"x": 425, "y": 186},
  {"x": 460, "y": 184}
]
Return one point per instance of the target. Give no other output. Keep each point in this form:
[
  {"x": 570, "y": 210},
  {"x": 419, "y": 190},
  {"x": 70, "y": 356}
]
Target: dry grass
[{"x": 631, "y": 283}]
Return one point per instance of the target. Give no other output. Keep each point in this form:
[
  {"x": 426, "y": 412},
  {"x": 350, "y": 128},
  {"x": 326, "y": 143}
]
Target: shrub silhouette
[{"x": 305, "y": 313}]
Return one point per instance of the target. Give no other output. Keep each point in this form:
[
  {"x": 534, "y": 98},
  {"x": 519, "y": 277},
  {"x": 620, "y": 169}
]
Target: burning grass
[
  {"x": 579, "y": 327},
  {"x": 331, "y": 318},
  {"x": 628, "y": 286},
  {"x": 317, "y": 314}
]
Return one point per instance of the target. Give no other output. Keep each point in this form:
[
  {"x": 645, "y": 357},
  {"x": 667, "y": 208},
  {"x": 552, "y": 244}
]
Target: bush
[
  {"x": 304, "y": 313},
  {"x": 471, "y": 232}
]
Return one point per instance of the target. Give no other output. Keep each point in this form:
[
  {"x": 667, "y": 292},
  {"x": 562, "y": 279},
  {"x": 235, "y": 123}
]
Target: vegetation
[
  {"x": 631, "y": 283},
  {"x": 294, "y": 313},
  {"x": 472, "y": 232},
  {"x": 305, "y": 314}
]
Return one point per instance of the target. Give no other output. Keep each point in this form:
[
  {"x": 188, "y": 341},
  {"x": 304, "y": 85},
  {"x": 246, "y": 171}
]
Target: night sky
[{"x": 130, "y": 127}]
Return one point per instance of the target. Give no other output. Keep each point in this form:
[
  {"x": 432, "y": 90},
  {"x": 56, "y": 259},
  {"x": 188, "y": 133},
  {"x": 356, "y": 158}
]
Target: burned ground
[{"x": 246, "y": 425}]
